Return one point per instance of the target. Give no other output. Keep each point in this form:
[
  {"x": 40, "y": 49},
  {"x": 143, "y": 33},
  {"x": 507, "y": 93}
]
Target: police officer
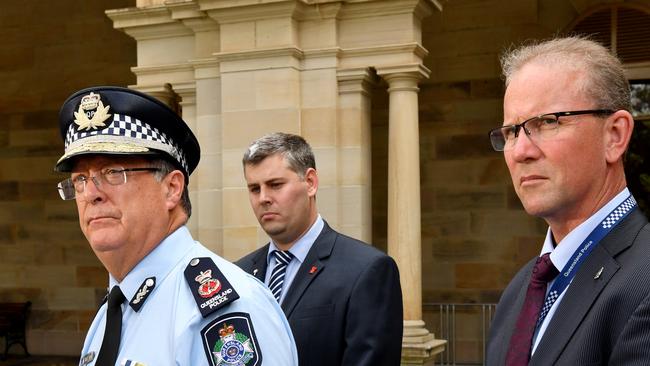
[{"x": 171, "y": 301}]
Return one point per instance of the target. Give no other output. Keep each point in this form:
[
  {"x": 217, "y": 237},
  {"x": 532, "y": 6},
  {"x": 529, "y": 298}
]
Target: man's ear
[
  {"x": 311, "y": 178},
  {"x": 174, "y": 184},
  {"x": 618, "y": 132}
]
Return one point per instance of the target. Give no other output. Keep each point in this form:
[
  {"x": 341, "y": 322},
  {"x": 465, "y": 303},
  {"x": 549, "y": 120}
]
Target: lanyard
[{"x": 569, "y": 271}]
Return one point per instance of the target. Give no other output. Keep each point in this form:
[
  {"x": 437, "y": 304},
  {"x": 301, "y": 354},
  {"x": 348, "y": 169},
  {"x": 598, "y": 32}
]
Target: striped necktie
[{"x": 282, "y": 259}]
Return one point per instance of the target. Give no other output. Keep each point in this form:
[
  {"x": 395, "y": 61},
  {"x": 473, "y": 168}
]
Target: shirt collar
[
  {"x": 158, "y": 263},
  {"x": 301, "y": 247},
  {"x": 561, "y": 253}
]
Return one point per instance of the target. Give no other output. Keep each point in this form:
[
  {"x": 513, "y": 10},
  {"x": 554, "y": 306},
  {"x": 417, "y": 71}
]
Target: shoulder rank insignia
[
  {"x": 143, "y": 292},
  {"x": 230, "y": 340},
  {"x": 210, "y": 288}
]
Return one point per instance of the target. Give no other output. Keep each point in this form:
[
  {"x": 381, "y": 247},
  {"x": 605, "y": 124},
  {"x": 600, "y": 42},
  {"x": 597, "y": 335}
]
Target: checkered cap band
[{"x": 124, "y": 130}]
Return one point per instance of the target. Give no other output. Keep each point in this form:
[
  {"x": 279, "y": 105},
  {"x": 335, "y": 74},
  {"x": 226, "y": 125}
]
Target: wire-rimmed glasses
[
  {"x": 114, "y": 175},
  {"x": 537, "y": 128}
]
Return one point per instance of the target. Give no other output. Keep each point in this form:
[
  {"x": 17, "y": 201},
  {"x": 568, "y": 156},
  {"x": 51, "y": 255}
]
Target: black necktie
[{"x": 112, "y": 333}]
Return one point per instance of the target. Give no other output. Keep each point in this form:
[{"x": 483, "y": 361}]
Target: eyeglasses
[
  {"x": 115, "y": 176},
  {"x": 538, "y": 128}
]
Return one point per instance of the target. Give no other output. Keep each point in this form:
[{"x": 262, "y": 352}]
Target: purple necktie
[{"x": 522, "y": 337}]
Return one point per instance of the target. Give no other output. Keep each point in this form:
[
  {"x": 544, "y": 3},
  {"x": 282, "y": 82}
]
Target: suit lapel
[
  {"x": 585, "y": 288},
  {"x": 313, "y": 265},
  {"x": 260, "y": 263},
  {"x": 576, "y": 302}
]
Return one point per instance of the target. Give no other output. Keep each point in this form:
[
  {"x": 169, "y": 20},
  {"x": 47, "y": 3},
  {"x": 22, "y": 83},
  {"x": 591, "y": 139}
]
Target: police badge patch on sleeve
[
  {"x": 210, "y": 288},
  {"x": 230, "y": 340}
]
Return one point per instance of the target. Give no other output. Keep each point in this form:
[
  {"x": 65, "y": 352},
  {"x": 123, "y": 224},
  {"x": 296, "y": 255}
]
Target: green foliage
[
  {"x": 640, "y": 97},
  {"x": 637, "y": 165}
]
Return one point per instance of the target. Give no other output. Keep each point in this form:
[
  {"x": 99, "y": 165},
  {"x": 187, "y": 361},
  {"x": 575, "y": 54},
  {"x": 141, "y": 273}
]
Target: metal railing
[{"x": 464, "y": 326}]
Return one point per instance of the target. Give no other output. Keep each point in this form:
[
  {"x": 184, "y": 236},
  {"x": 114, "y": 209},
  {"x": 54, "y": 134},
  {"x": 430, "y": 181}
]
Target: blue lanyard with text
[{"x": 565, "y": 277}]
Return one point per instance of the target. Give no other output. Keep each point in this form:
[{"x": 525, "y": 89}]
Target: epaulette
[{"x": 210, "y": 288}]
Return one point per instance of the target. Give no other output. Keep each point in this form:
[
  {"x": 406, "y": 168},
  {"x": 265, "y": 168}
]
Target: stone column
[
  {"x": 354, "y": 87},
  {"x": 210, "y": 174},
  {"x": 404, "y": 235}
]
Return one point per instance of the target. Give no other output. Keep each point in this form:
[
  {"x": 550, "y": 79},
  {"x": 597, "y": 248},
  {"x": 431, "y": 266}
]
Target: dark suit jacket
[
  {"x": 347, "y": 312},
  {"x": 600, "y": 321}
]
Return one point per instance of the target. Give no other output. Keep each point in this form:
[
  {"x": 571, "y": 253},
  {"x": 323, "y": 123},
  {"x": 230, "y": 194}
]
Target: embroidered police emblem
[
  {"x": 210, "y": 288},
  {"x": 91, "y": 113},
  {"x": 230, "y": 341},
  {"x": 143, "y": 292}
]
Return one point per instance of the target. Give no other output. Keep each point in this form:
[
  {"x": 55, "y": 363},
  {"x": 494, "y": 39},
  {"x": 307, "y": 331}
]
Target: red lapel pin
[{"x": 313, "y": 270}]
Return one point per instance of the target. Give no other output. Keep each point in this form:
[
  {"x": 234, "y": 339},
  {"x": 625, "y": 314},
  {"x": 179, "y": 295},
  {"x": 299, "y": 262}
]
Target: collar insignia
[
  {"x": 87, "y": 358},
  {"x": 143, "y": 292}
]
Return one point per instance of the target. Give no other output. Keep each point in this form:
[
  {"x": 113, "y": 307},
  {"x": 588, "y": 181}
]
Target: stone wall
[{"x": 50, "y": 49}]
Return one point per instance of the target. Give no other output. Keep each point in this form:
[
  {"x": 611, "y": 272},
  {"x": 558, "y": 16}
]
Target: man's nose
[
  {"x": 524, "y": 147},
  {"x": 92, "y": 190},
  {"x": 265, "y": 195}
]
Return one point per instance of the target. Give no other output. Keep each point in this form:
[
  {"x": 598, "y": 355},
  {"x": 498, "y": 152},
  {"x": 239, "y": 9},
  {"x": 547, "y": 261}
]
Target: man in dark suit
[
  {"x": 342, "y": 297},
  {"x": 586, "y": 299}
]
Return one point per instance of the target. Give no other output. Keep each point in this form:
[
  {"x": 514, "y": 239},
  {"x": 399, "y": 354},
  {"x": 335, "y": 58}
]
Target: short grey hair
[
  {"x": 605, "y": 81},
  {"x": 293, "y": 148},
  {"x": 165, "y": 167}
]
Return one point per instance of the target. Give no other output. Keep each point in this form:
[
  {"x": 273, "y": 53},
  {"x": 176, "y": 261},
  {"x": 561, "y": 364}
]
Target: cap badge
[{"x": 91, "y": 113}]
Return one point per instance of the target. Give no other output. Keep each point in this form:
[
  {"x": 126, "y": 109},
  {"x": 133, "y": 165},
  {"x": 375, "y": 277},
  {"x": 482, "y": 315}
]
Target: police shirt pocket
[{"x": 319, "y": 311}]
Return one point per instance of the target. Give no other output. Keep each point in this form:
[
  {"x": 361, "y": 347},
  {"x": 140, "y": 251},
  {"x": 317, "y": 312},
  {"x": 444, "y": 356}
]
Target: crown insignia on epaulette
[
  {"x": 209, "y": 286},
  {"x": 203, "y": 276}
]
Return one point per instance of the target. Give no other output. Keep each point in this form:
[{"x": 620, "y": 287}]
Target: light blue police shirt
[{"x": 167, "y": 328}]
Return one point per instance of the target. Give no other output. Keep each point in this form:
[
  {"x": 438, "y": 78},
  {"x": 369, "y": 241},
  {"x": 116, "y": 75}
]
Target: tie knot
[
  {"x": 115, "y": 297},
  {"x": 282, "y": 257},
  {"x": 544, "y": 270}
]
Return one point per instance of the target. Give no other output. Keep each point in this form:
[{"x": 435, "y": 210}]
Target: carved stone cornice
[
  {"x": 227, "y": 11},
  {"x": 154, "y": 22},
  {"x": 406, "y": 48},
  {"x": 415, "y": 71},
  {"x": 206, "y": 68},
  {"x": 356, "y": 80},
  {"x": 172, "y": 73},
  {"x": 250, "y": 59},
  {"x": 421, "y": 8},
  {"x": 383, "y": 56}
]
